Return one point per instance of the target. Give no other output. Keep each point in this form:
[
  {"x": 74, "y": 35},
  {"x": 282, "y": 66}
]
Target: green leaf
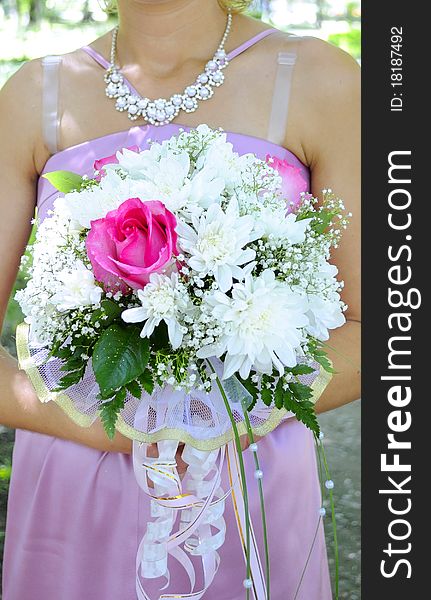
[
  {"x": 304, "y": 411},
  {"x": 69, "y": 379},
  {"x": 302, "y": 369},
  {"x": 64, "y": 181},
  {"x": 72, "y": 364},
  {"x": 309, "y": 214},
  {"x": 324, "y": 362},
  {"x": 160, "y": 337},
  {"x": 110, "y": 410},
  {"x": 321, "y": 222},
  {"x": 134, "y": 388},
  {"x": 251, "y": 389},
  {"x": 279, "y": 393},
  {"x": 266, "y": 395},
  {"x": 63, "y": 353},
  {"x": 301, "y": 391},
  {"x": 120, "y": 355},
  {"x": 147, "y": 381},
  {"x": 107, "y": 307}
]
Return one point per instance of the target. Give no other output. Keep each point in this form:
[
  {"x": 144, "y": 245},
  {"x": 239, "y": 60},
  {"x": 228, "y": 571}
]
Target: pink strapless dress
[{"x": 76, "y": 515}]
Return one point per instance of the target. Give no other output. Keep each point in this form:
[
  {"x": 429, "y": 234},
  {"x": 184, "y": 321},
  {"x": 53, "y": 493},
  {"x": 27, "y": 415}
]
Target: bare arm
[
  {"x": 331, "y": 101},
  {"x": 22, "y": 156}
]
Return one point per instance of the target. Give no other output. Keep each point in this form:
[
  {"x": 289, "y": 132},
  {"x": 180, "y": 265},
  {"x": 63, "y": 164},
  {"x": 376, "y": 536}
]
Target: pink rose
[
  {"x": 130, "y": 243},
  {"x": 293, "y": 181},
  {"x": 109, "y": 160}
]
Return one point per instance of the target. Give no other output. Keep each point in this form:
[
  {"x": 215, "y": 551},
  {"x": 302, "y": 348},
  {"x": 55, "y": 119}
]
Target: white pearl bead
[
  {"x": 160, "y": 103},
  {"x": 121, "y": 103},
  {"x": 191, "y": 91},
  {"x": 188, "y": 103},
  {"x": 132, "y": 99},
  {"x": 329, "y": 484},
  {"x": 142, "y": 103},
  {"x": 177, "y": 100},
  {"x": 217, "y": 77},
  {"x": 258, "y": 474},
  {"x": 322, "y": 511},
  {"x": 115, "y": 77},
  {"x": 203, "y": 78},
  {"x": 321, "y": 435},
  {"x": 169, "y": 110},
  {"x": 247, "y": 583},
  {"x": 133, "y": 109},
  {"x": 160, "y": 115},
  {"x": 253, "y": 447},
  {"x": 211, "y": 65},
  {"x": 204, "y": 92},
  {"x": 111, "y": 89}
]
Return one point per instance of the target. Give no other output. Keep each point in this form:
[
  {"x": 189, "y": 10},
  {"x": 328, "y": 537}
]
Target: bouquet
[{"x": 182, "y": 297}]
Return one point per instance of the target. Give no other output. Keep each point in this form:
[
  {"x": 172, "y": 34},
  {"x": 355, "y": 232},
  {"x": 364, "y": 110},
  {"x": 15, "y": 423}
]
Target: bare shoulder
[
  {"x": 22, "y": 91},
  {"x": 326, "y": 68},
  {"x": 321, "y": 66},
  {"x": 20, "y": 113},
  {"x": 325, "y": 96}
]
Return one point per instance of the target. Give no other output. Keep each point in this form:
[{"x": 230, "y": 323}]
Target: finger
[{"x": 152, "y": 451}]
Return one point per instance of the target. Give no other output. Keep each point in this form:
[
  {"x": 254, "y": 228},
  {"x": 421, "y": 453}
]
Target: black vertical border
[{"x": 383, "y": 132}]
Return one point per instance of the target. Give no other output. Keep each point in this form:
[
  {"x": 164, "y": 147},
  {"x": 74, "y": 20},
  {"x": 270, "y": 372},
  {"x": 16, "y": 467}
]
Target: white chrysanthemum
[
  {"x": 216, "y": 243},
  {"x": 277, "y": 225},
  {"x": 205, "y": 188},
  {"x": 161, "y": 174},
  {"x": 137, "y": 163},
  {"x": 95, "y": 202},
  {"x": 77, "y": 288},
  {"x": 323, "y": 315},
  {"x": 162, "y": 299},
  {"x": 226, "y": 163},
  {"x": 262, "y": 326}
]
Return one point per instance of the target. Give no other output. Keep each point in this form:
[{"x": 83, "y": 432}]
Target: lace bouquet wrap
[{"x": 183, "y": 299}]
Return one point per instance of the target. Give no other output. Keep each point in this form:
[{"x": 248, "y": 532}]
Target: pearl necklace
[{"x": 163, "y": 111}]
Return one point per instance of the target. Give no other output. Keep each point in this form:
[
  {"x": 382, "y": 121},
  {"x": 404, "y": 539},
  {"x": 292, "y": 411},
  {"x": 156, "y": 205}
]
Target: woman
[{"x": 75, "y": 513}]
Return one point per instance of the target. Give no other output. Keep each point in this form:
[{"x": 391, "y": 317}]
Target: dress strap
[
  {"x": 251, "y": 42},
  {"x": 263, "y": 34},
  {"x": 281, "y": 95},
  {"x": 97, "y": 57},
  {"x": 50, "y": 107}
]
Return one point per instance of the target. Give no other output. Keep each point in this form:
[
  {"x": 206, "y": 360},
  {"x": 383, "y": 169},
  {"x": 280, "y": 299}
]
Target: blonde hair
[{"x": 233, "y": 5}]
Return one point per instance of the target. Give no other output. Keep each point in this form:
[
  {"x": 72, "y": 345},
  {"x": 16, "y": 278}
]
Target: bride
[{"x": 75, "y": 514}]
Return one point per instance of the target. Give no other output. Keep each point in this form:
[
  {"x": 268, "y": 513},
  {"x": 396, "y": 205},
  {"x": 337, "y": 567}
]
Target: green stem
[
  {"x": 334, "y": 523},
  {"x": 242, "y": 472},
  {"x": 308, "y": 560},
  {"x": 341, "y": 355},
  {"x": 320, "y": 468},
  {"x": 262, "y": 505}
]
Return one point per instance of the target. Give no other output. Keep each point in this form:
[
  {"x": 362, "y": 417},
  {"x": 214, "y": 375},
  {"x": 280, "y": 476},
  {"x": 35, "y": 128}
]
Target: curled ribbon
[{"x": 200, "y": 510}]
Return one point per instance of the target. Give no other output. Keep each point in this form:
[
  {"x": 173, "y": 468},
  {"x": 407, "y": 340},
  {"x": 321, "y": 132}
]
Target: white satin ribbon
[{"x": 200, "y": 509}]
